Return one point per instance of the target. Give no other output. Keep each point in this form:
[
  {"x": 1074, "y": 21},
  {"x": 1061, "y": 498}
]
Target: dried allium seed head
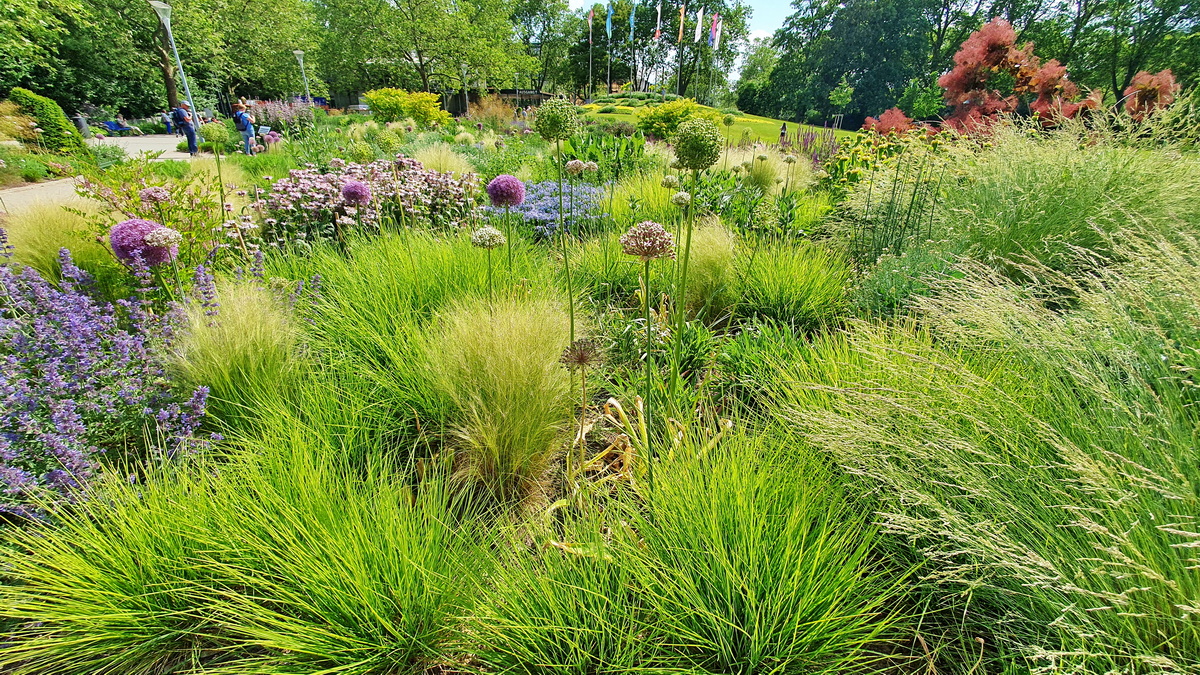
[
  {"x": 575, "y": 167},
  {"x": 580, "y": 354}
]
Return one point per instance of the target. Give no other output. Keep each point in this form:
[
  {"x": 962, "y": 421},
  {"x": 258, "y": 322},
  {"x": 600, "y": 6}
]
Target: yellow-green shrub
[{"x": 389, "y": 105}]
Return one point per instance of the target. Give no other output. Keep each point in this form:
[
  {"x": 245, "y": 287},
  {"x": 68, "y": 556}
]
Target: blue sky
[{"x": 768, "y": 14}]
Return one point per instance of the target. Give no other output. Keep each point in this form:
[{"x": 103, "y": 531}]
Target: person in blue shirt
[
  {"x": 183, "y": 121},
  {"x": 244, "y": 122}
]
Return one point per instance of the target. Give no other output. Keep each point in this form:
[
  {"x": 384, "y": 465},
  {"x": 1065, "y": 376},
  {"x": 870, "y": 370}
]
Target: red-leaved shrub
[
  {"x": 992, "y": 50},
  {"x": 1147, "y": 93},
  {"x": 891, "y": 121}
]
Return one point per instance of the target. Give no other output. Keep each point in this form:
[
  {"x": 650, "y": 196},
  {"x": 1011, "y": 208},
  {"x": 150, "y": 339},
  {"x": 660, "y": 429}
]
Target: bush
[
  {"x": 394, "y": 105},
  {"x": 662, "y": 120},
  {"x": 58, "y": 133},
  {"x": 608, "y": 109},
  {"x": 80, "y": 383}
]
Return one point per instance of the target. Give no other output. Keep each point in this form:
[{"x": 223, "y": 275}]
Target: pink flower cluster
[{"x": 309, "y": 205}]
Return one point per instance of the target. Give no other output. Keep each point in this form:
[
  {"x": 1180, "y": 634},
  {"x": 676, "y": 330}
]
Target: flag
[
  {"x": 699, "y": 24},
  {"x": 591, "y": 15},
  {"x": 682, "y": 9},
  {"x": 632, "y": 14},
  {"x": 658, "y": 22},
  {"x": 712, "y": 32},
  {"x": 608, "y": 22},
  {"x": 720, "y": 29}
]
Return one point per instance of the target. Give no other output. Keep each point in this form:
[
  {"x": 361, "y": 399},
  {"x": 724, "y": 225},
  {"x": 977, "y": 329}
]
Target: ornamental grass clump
[
  {"x": 497, "y": 362},
  {"x": 1036, "y": 444}
]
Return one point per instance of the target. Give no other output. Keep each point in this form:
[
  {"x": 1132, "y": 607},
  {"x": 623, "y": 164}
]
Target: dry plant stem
[
  {"x": 681, "y": 288},
  {"x": 582, "y": 413}
]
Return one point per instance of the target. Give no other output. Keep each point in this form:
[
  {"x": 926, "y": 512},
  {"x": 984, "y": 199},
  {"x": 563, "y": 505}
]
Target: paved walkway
[
  {"x": 148, "y": 143},
  {"x": 62, "y": 192},
  {"x": 54, "y": 192}
]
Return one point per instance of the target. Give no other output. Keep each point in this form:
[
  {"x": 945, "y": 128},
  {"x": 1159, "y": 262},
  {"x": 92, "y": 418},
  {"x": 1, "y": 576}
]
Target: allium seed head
[
  {"x": 488, "y": 237},
  {"x": 697, "y": 144},
  {"x": 556, "y": 119},
  {"x": 580, "y": 354},
  {"x": 591, "y": 167},
  {"x": 575, "y": 167},
  {"x": 670, "y": 181},
  {"x": 648, "y": 240},
  {"x": 681, "y": 198}
]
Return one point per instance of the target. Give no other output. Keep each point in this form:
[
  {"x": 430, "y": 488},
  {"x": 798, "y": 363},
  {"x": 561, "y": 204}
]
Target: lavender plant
[{"x": 80, "y": 381}]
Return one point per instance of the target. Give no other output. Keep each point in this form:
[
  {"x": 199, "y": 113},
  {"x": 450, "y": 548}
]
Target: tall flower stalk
[
  {"x": 648, "y": 241},
  {"x": 556, "y": 120},
  {"x": 488, "y": 238},
  {"x": 697, "y": 147},
  {"x": 507, "y": 191}
]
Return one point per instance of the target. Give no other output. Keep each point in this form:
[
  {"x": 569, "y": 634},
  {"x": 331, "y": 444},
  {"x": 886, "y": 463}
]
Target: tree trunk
[{"x": 168, "y": 68}]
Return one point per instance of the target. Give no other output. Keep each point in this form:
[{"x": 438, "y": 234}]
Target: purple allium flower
[
  {"x": 479, "y": 126},
  {"x": 356, "y": 193},
  {"x": 155, "y": 194},
  {"x": 128, "y": 241},
  {"x": 506, "y": 190}
]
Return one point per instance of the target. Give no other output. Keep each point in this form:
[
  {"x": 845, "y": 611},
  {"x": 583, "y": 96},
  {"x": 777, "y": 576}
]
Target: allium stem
[
  {"x": 681, "y": 288},
  {"x": 508, "y": 236},
  {"x": 649, "y": 371},
  {"x": 491, "y": 294},
  {"x": 562, "y": 231}
]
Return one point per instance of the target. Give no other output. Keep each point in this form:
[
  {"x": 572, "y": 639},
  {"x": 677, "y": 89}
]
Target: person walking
[
  {"x": 783, "y": 137},
  {"x": 244, "y": 122},
  {"x": 165, "y": 117},
  {"x": 183, "y": 121}
]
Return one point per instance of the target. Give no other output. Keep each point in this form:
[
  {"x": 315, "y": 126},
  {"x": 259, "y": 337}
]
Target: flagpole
[{"x": 679, "y": 48}]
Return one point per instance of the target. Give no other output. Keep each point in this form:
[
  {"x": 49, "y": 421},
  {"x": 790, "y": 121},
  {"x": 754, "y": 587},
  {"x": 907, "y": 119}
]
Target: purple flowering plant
[
  {"x": 81, "y": 381},
  {"x": 191, "y": 206},
  {"x": 310, "y": 205},
  {"x": 540, "y": 209}
]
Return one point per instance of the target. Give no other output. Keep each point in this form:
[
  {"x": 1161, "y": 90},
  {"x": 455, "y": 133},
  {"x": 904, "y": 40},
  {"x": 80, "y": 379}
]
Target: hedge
[{"x": 58, "y": 134}]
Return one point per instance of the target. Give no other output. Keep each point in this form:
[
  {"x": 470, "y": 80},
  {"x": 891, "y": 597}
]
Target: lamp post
[
  {"x": 300, "y": 57},
  {"x": 163, "y": 10}
]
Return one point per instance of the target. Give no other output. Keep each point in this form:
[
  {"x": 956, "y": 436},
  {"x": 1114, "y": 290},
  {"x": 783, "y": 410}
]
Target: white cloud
[{"x": 756, "y": 34}]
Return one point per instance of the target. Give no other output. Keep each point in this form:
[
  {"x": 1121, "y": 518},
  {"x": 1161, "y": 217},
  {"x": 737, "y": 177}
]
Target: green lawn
[{"x": 761, "y": 128}]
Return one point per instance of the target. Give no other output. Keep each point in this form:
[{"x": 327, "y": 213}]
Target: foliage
[
  {"x": 617, "y": 156},
  {"x": 498, "y": 363},
  {"x": 57, "y": 132},
  {"x": 798, "y": 285},
  {"x": 702, "y": 580},
  {"x": 78, "y": 382},
  {"x": 308, "y": 206},
  {"x": 273, "y": 560},
  {"x": 661, "y": 121},
  {"x": 1070, "y": 426},
  {"x": 394, "y": 105}
]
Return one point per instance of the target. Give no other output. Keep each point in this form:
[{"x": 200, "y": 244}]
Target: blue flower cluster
[
  {"x": 74, "y": 384},
  {"x": 581, "y": 203}
]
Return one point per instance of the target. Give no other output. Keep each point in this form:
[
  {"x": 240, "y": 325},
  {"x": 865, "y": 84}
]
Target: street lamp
[
  {"x": 300, "y": 57},
  {"x": 163, "y": 10}
]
